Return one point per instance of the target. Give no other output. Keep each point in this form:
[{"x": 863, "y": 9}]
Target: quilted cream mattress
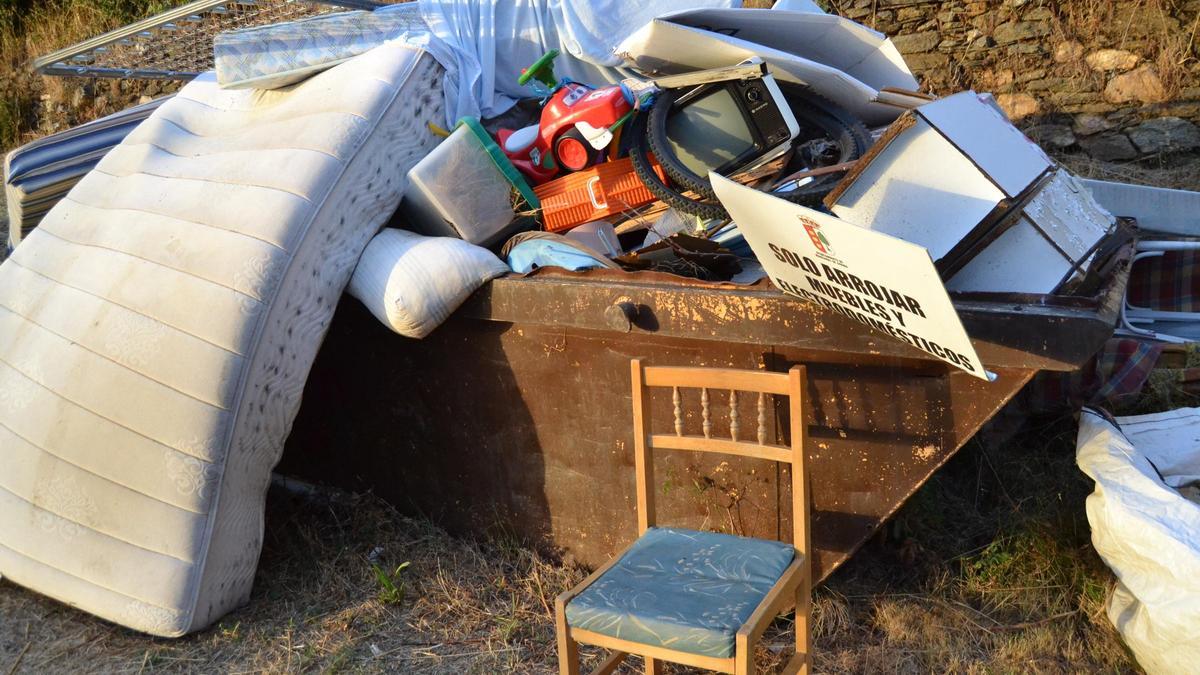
[{"x": 157, "y": 328}]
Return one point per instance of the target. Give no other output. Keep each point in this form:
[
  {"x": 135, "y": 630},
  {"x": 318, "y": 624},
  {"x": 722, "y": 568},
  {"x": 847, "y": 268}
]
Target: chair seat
[{"x": 682, "y": 589}]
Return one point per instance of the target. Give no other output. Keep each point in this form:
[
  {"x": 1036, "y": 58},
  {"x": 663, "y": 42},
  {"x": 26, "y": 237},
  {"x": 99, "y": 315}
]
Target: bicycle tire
[
  {"x": 845, "y": 129},
  {"x": 639, "y": 156}
]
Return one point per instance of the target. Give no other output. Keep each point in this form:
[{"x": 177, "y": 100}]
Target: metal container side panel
[
  {"x": 514, "y": 417},
  {"x": 1019, "y": 332},
  {"x": 861, "y": 475},
  {"x": 496, "y": 428},
  {"x": 526, "y": 430}
]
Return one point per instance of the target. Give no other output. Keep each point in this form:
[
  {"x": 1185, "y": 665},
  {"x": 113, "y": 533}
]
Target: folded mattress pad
[
  {"x": 157, "y": 328},
  {"x": 40, "y": 173}
]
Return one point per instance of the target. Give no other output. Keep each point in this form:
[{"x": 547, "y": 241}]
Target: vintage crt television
[{"x": 731, "y": 126}]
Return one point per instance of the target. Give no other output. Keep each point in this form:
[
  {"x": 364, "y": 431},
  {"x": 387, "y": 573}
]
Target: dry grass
[
  {"x": 1145, "y": 27},
  {"x": 31, "y": 28},
  {"x": 319, "y": 605},
  {"x": 1177, "y": 171},
  {"x": 987, "y": 569}
]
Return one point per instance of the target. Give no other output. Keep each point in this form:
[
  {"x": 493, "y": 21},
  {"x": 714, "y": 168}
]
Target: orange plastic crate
[{"x": 584, "y": 196}]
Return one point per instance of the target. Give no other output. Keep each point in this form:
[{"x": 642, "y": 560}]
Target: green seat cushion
[{"x": 682, "y": 589}]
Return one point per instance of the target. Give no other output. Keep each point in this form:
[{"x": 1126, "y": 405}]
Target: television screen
[{"x": 709, "y": 132}]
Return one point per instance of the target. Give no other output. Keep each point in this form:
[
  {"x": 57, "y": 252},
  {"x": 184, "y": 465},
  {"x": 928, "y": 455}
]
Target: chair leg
[
  {"x": 610, "y": 664},
  {"x": 653, "y": 666},
  {"x": 743, "y": 656},
  {"x": 568, "y": 649},
  {"x": 804, "y": 625}
]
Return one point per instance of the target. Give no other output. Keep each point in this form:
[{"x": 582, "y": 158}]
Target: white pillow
[{"x": 413, "y": 283}]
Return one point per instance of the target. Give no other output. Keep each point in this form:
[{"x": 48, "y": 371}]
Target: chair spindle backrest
[{"x": 791, "y": 384}]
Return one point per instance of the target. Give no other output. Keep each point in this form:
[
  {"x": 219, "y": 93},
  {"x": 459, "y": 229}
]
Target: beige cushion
[
  {"x": 413, "y": 283},
  {"x": 156, "y": 331}
]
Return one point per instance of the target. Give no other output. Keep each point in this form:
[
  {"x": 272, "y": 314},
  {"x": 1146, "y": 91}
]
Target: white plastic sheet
[
  {"x": 852, "y": 48},
  {"x": 841, "y": 60},
  {"x": 1147, "y": 530},
  {"x": 491, "y": 41}
]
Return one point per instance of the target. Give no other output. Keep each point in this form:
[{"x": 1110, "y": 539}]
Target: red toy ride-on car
[{"x": 575, "y": 126}]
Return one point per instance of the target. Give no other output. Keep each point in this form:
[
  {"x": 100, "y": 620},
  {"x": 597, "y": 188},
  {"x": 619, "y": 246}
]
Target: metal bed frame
[{"x": 177, "y": 44}]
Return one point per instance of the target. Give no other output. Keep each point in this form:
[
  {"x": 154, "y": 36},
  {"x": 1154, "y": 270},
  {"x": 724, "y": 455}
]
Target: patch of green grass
[
  {"x": 392, "y": 586},
  {"x": 232, "y": 633}
]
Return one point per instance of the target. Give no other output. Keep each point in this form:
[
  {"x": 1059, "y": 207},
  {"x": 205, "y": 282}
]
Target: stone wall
[{"x": 1118, "y": 79}]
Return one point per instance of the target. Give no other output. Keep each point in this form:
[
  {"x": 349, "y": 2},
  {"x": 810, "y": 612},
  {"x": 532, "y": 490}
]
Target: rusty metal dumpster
[{"x": 515, "y": 417}]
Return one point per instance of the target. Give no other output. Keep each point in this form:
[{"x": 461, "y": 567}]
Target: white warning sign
[{"x": 886, "y": 283}]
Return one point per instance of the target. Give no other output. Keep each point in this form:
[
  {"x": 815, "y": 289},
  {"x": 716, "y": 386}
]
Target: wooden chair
[{"x": 637, "y": 603}]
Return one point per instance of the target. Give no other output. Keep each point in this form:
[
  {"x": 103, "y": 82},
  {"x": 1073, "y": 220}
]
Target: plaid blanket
[
  {"x": 1125, "y": 367},
  {"x": 1169, "y": 282},
  {"x": 1116, "y": 373}
]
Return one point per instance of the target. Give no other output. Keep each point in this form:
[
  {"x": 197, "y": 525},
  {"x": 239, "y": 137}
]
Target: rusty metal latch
[{"x": 621, "y": 315}]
